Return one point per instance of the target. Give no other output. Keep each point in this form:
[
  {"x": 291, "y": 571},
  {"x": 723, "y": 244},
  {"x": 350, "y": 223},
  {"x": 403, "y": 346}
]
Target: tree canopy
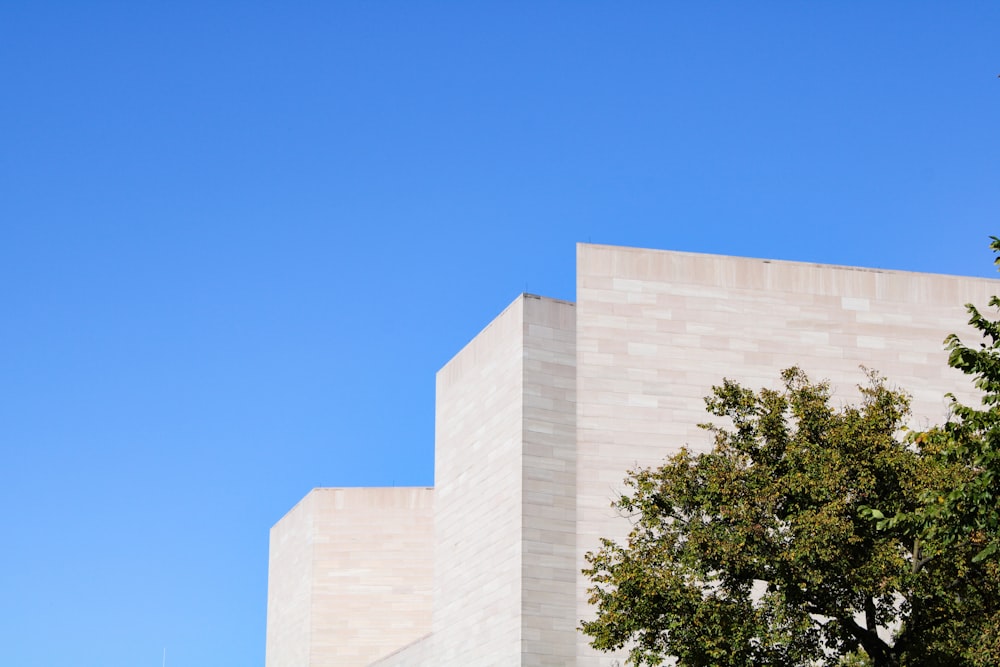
[
  {"x": 764, "y": 552},
  {"x": 967, "y": 510}
]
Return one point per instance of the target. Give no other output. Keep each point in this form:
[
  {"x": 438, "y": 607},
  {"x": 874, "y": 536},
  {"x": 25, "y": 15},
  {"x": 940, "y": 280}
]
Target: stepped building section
[{"x": 538, "y": 420}]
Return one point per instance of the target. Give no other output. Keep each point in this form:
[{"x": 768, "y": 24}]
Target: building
[{"x": 538, "y": 419}]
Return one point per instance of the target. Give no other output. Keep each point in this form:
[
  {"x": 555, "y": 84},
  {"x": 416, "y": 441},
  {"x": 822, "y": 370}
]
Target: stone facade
[
  {"x": 351, "y": 572},
  {"x": 656, "y": 330},
  {"x": 538, "y": 420}
]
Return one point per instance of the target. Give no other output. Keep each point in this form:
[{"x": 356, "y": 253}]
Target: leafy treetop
[
  {"x": 967, "y": 509},
  {"x": 760, "y": 553}
]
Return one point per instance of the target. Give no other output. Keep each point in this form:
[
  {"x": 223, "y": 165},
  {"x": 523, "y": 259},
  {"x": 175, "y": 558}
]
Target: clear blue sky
[{"x": 237, "y": 240}]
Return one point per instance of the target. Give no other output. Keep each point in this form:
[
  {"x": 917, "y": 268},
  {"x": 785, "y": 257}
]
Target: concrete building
[{"x": 538, "y": 420}]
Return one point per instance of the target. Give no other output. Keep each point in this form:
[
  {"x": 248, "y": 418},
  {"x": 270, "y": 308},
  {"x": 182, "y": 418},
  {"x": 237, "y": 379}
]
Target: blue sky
[{"x": 237, "y": 240}]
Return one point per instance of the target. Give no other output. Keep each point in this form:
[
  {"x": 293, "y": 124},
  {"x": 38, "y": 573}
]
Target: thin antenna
[{"x": 164, "y": 656}]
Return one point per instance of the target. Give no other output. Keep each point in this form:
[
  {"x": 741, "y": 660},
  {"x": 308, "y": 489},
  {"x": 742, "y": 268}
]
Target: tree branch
[
  {"x": 918, "y": 562},
  {"x": 880, "y": 652}
]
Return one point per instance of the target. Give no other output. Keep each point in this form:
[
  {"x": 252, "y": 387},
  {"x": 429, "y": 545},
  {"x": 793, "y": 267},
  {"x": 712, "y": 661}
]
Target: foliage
[
  {"x": 759, "y": 552},
  {"x": 968, "y": 509},
  {"x": 856, "y": 659}
]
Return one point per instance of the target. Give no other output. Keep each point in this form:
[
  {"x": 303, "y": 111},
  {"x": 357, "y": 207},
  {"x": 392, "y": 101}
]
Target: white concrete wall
[
  {"x": 548, "y": 484},
  {"x": 505, "y": 471},
  {"x": 350, "y": 576},
  {"x": 289, "y": 588},
  {"x": 420, "y": 652},
  {"x": 656, "y": 330},
  {"x": 477, "y": 477}
]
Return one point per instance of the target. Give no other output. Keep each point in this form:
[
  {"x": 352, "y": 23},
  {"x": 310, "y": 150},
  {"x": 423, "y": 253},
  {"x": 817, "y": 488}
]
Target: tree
[
  {"x": 968, "y": 510},
  {"x": 760, "y": 552}
]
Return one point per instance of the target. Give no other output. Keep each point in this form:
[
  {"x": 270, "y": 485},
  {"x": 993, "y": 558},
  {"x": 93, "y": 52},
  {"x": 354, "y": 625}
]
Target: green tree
[
  {"x": 968, "y": 510},
  {"x": 759, "y": 552}
]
